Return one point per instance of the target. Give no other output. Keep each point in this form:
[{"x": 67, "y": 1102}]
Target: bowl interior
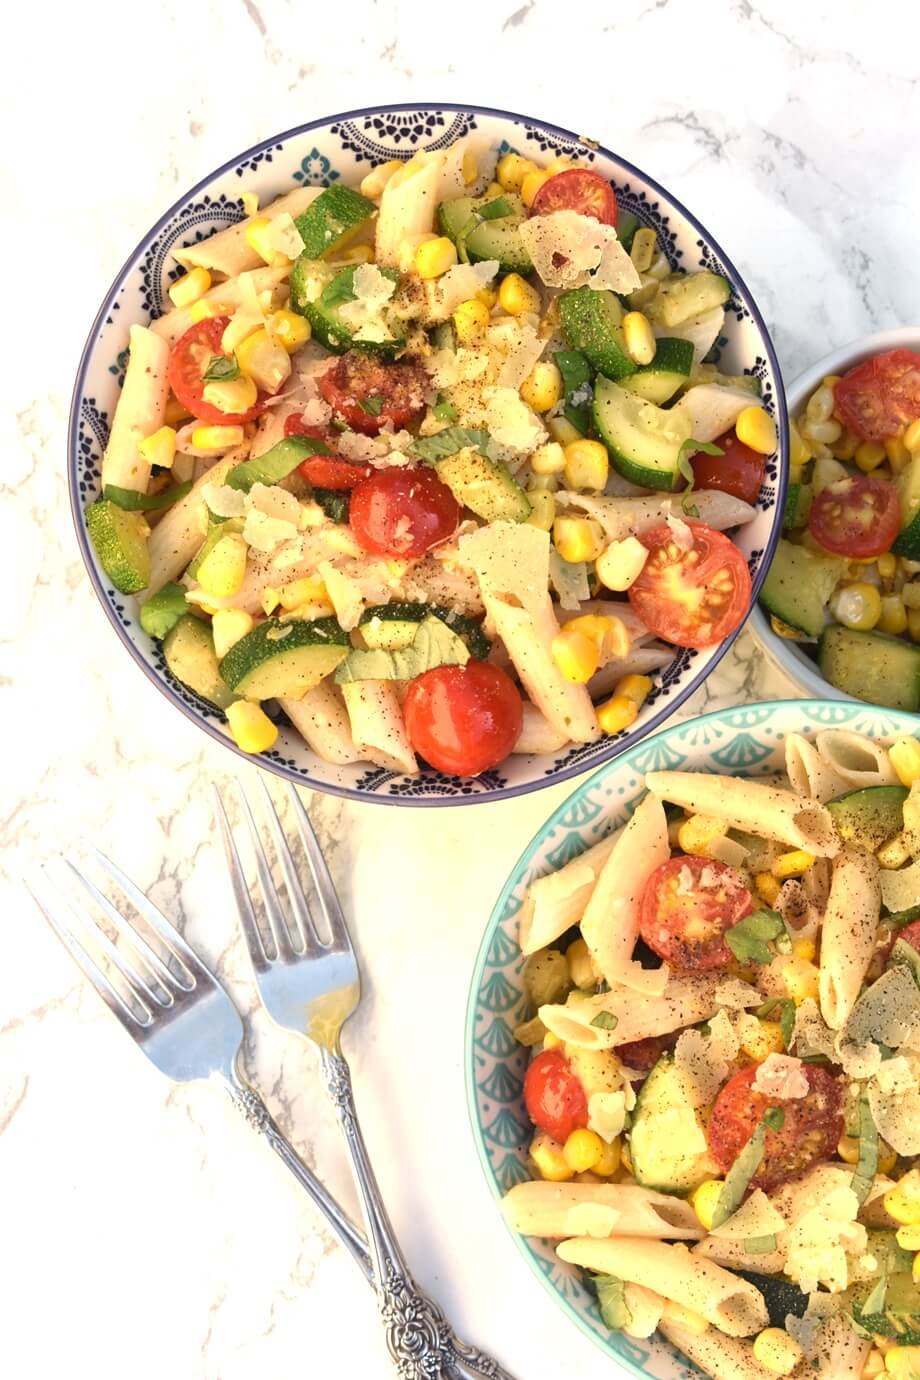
[
  {"x": 342, "y": 149},
  {"x": 746, "y": 741}
]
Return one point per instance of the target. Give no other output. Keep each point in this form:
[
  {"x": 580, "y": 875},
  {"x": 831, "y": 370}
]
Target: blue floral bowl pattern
[
  {"x": 344, "y": 147},
  {"x": 747, "y": 741}
]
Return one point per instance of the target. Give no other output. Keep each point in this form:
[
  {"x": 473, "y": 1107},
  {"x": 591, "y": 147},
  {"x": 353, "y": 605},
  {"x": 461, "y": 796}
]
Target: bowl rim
[
  {"x": 304, "y": 779},
  {"x": 803, "y": 670},
  {"x": 511, "y": 881}
]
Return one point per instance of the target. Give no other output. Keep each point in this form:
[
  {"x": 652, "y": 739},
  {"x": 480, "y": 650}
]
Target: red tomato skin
[
  {"x": 665, "y": 913},
  {"x": 643, "y": 1055},
  {"x": 663, "y": 615},
  {"x": 554, "y": 1097},
  {"x": 811, "y": 1129},
  {"x": 356, "y": 377},
  {"x": 577, "y": 189},
  {"x": 849, "y": 537},
  {"x": 911, "y": 934},
  {"x": 879, "y": 397},
  {"x": 189, "y": 358},
  {"x": 403, "y": 512},
  {"x": 463, "y": 720},
  {"x": 325, "y": 470},
  {"x": 294, "y": 425},
  {"x": 739, "y": 471}
]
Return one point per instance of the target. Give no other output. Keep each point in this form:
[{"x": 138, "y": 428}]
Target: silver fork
[{"x": 310, "y": 984}]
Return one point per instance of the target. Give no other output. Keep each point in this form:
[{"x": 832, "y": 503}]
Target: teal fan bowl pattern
[{"x": 747, "y": 741}]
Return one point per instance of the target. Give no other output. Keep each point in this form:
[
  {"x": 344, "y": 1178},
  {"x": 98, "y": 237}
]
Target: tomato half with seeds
[
  {"x": 554, "y": 1096},
  {"x": 812, "y": 1125},
  {"x": 464, "y": 720},
  {"x": 577, "y": 189},
  {"x": 859, "y": 516},
  {"x": 691, "y": 595},
  {"x": 188, "y": 360},
  {"x": 367, "y": 392},
  {"x": 686, "y": 907},
  {"x": 325, "y": 470},
  {"x": 403, "y": 512},
  {"x": 881, "y": 396},
  {"x": 738, "y": 471}
]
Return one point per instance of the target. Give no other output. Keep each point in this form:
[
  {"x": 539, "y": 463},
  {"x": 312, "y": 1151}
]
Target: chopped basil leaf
[
  {"x": 276, "y": 464},
  {"x": 340, "y": 290},
  {"x": 222, "y": 369},
  {"x": 867, "y": 1163},
  {"x": 691, "y": 447},
  {"x": 449, "y": 441},
  {"x": 759, "y": 1245},
  {"x": 605, "y": 1020},
  {"x": 444, "y": 410},
  {"x": 774, "y": 1118},
  {"x": 373, "y": 406},
  {"x": 611, "y": 1299},
  {"x": 738, "y": 1178},
  {"x": 902, "y": 917},
  {"x": 754, "y": 939},
  {"x": 786, "y": 1008},
  {"x": 134, "y": 502},
  {"x": 902, "y": 953},
  {"x": 334, "y": 503},
  {"x": 496, "y": 210}
]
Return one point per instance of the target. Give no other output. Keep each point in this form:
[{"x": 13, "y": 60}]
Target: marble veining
[{"x": 144, "y": 1229}]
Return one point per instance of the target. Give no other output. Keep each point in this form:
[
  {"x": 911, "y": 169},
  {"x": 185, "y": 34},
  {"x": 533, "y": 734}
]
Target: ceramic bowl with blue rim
[
  {"x": 746, "y": 741},
  {"x": 342, "y": 148}
]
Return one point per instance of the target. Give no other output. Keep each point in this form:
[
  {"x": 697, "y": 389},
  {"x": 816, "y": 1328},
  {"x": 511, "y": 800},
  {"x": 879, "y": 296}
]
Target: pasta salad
[
  {"x": 725, "y": 1081},
  {"x": 433, "y": 465}
]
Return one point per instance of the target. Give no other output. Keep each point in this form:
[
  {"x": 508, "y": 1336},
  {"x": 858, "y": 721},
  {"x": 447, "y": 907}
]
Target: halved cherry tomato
[
  {"x": 739, "y": 471},
  {"x": 693, "y": 597},
  {"x": 686, "y": 907},
  {"x": 859, "y": 516},
  {"x": 403, "y": 512},
  {"x": 366, "y": 392},
  {"x": 879, "y": 397},
  {"x": 188, "y": 360},
  {"x": 325, "y": 470},
  {"x": 554, "y": 1096},
  {"x": 812, "y": 1125},
  {"x": 577, "y": 189},
  {"x": 643, "y": 1055},
  {"x": 911, "y": 934},
  {"x": 464, "y": 719}
]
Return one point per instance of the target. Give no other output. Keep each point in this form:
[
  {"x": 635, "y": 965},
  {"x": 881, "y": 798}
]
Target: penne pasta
[
  {"x": 173, "y": 324},
  {"x": 557, "y": 1211},
  {"x": 810, "y": 773},
  {"x": 556, "y": 902},
  {"x": 621, "y": 516},
  {"x": 724, "y": 1358},
  {"x": 140, "y": 411},
  {"x": 377, "y": 725},
  {"x": 839, "y": 1354},
  {"x": 229, "y": 251},
  {"x": 752, "y": 807},
  {"x": 733, "y": 1256},
  {"x": 687, "y": 998},
  {"x": 538, "y": 734},
  {"x": 180, "y": 532},
  {"x": 408, "y": 204},
  {"x": 848, "y": 933},
  {"x": 644, "y": 1307},
  {"x": 855, "y": 758},
  {"x": 321, "y": 718}
]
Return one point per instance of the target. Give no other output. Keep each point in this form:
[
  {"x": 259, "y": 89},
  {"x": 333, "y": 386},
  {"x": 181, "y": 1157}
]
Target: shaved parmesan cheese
[
  {"x": 365, "y": 315},
  {"x": 756, "y": 1217},
  {"x": 344, "y": 594},
  {"x": 223, "y": 501},
  {"x": 887, "y": 1013},
  {"x": 894, "y": 1100},
  {"x": 457, "y": 285},
  {"x": 702, "y": 1061},
  {"x": 819, "y": 1238},
  {"x": 607, "y": 1114},
  {"x": 901, "y": 889},
  {"x": 511, "y": 421},
  {"x": 510, "y": 558},
  {"x": 782, "y": 1076},
  {"x": 615, "y": 270},
  {"x": 679, "y": 1126},
  {"x": 282, "y": 235},
  {"x": 566, "y": 247},
  {"x": 810, "y": 1034},
  {"x": 265, "y": 533},
  {"x": 570, "y": 581},
  {"x": 275, "y": 502},
  {"x": 521, "y": 347},
  {"x": 591, "y": 1219},
  {"x": 736, "y": 994},
  {"x": 317, "y": 413},
  {"x": 681, "y": 531},
  {"x": 728, "y": 851}
]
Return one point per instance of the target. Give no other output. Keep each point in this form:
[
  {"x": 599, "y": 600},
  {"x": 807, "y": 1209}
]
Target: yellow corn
[
  {"x": 904, "y": 755},
  {"x": 576, "y": 655},
  {"x": 703, "y": 1200},
  {"x": 608, "y": 1161},
  {"x": 869, "y": 455},
  {"x": 159, "y": 448},
  {"x": 532, "y": 184},
  {"x": 635, "y": 687},
  {"x": 548, "y": 459},
  {"x": 800, "y": 452},
  {"x": 620, "y": 565},
  {"x": 848, "y": 1149},
  {"x": 577, "y": 539},
  {"x": 846, "y": 447},
  {"x": 582, "y": 1150},
  {"x": 913, "y": 624},
  {"x": 270, "y": 598},
  {"x": 264, "y": 359},
  {"x": 616, "y": 714},
  {"x": 223, "y": 569},
  {"x": 609, "y": 635},
  {"x": 908, "y": 1238},
  {"x": 903, "y": 1362},
  {"x": 887, "y": 1158},
  {"x": 562, "y": 431},
  {"x": 231, "y": 395},
  {"x": 903, "y": 1201},
  {"x": 757, "y": 429},
  {"x": 373, "y": 183},
  {"x": 764, "y": 1039},
  {"x": 638, "y": 337},
  {"x": 582, "y": 968},
  {"x": 252, "y": 729},
  {"x": 587, "y": 465},
  {"x": 642, "y": 250},
  {"x": 228, "y": 626},
  {"x": 547, "y": 1154},
  {"x": 551, "y": 1041},
  {"x": 874, "y": 1365},
  {"x": 190, "y": 287},
  {"x": 204, "y": 309},
  {"x": 799, "y": 978},
  {"x": 777, "y": 1351},
  {"x": 354, "y": 254},
  {"x": 912, "y": 437},
  {"x": 858, "y": 605},
  {"x": 542, "y": 388},
  {"x": 257, "y": 232},
  {"x": 292, "y": 329},
  {"x": 542, "y": 509},
  {"x": 543, "y": 483},
  {"x": 804, "y": 948},
  {"x": 469, "y": 168},
  {"x": 435, "y": 257},
  {"x": 470, "y": 318},
  {"x": 494, "y": 189},
  {"x": 217, "y": 437},
  {"x": 511, "y": 171},
  {"x": 893, "y": 616},
  {"x": 560, "y": 164},
  {"x": 308, "y": 590},
  {"x": 487, "y": 296},
  {"x": 696, "y": 834},
  {"x": 887, "y": 565},
  {"x": 895, "y": 851},
  {"x": 685, "y": 1318},
  {"x": 767, "y": 887},
  {"x": 897, "y": 452},
  {"x": 792, "y": 864},
  {"x": 250, "y": 202},
  {"x": 515, "y": 296}
]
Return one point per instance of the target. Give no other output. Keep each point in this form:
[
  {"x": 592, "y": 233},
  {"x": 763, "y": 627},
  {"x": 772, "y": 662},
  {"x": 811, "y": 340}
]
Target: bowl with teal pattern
[
  {"x": 342, "y": 149},
  {"x": 745, "y": 741}
]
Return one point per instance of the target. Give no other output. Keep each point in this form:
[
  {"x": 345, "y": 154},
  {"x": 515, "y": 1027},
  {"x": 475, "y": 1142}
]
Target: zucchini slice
[{"x": 284, "y": 659}]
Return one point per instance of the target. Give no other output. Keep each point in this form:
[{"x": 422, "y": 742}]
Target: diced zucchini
[
  {"x": 899, "y": 1316},
  {"x": 492, "y": 239},
  {"x": 869, "y": 816},
  {"x": 907, "y": 542},
  {"x": 592, "y": 323},
  {"x": 644, "y": 441},
  {"x": 120, "y": 541},
  {"x": 486, "y": 487},
  {"x": 871, "y": 667},
  {"x": 162, "y": 611},
  {"x": 798, "y": 586},
  {"x": 686, "y": 295},
  {"x": 324, "y": 315},
  {"x": 284, "y": 659},
  {"x": 661, "y": 1122},
  {"x": 393, "y": 626},
  {"x": 798, "y": 506},
  {"x": 627, "y": 225},
  {"x": 189, "y": 653},
  {"x": 669, "y": 370},
  {"x": 333, "y": 219}
]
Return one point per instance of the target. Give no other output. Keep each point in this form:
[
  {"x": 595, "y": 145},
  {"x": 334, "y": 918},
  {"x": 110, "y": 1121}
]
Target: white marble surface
[{"x": 144, "y": 1231}]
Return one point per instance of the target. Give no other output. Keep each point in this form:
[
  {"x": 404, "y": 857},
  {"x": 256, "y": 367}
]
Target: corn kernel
[
  {"x": 908, "y": 1238},
  {"x": 858, "y": 605},
  {"x": 582, "y": 1150},
  {"x": 547, "y": 1154},
  {"x": 373, "y": 183},
  {"x": 897, "y": 452},
  {"x": 190, "y": 287},
  {"x": 777, "y": 1351},
  {"x": 635, "y": 687},
  {"x": 562, "y": 430},
  {"x": 551, "y": 1041},
  {"x": 804, "y": 948},
  {"x": 764, "y": 1039},
  {"x": 270, "y": 598},
  {"x": 511, "y": 171},
  {"x": 308, "y": 590},
  {"x": 231, "y": 395},
  {"x": 904, "y": 755},
  {"x": 848, "y": 1149},
  {"x": 617, "y": 714},
  {"x": 494, "y": 189},
  {"x": 587, "y": 465},
  {"x": 895, "y": 851},
  {"x": 800, "y": 452},
  {"x": 250, "y": 202},
  {"x": 609, "y": 635},
  {"x": 893, "y": 616},
  {"x": 887, "y": 565},
  {"x": 912, "y": 437},
  {"x": 608, "y": 1162},
  {"x": 561, "y": 163},
  {"x": 643, "y": 247},
  {"x": 903, "y": 1201},
  {"x": 846, "y": 447},
  {"x": 223, "y": 569},
  {"x": 542, "y": 509},
  {"x": 257, "y": 234},
  {"x": 638, "y": 337},
  {"x": 767, "y": 887},
  {"x": 703, "y": 1200},
  {"x": 903, "y": 1362},
  {"x": 228, "y": 626},
  {"x": 685, "y": 1318},
  {"x": 577, "y": 539},
  {"x": 874, "y": 1365},
  {"x": 799, "y": 978},
  {"x": 756, "y": 428},
  {"x": 543, "y": 483},
  {"x": 435, "y": 257},
  {"x": 532, "y": 184},
  {"x": 159, "y": 448},
  {"x": 176, "y": 412},
  {"x": 695, "y": 834},
  {"x": 292, "y": 329},
  {"x": 252, "y": 729},
  {"x": 620, "y": 565},
  {"x": 582, "y": 968},
  {"x": 887, "y": 1158},
  {"x": 469, "y": 168},
  {"x": 869, "y": 455},
  {"x": 548, "y": 459},
  {"x": 469, "y": 319},
  {"x": 542, "y": 388},
  {"x": 792, "y": 864},
  {"x": 217, "y": 437},
  {"x": 576, "y": 655},
  {"x": 516, "y": 296},
  {"x": 264, "y": 359},
  {"x": 204, "y": 310}
]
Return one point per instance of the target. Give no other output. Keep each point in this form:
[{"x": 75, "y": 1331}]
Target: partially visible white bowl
[{"x": 790, "y": 656}]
